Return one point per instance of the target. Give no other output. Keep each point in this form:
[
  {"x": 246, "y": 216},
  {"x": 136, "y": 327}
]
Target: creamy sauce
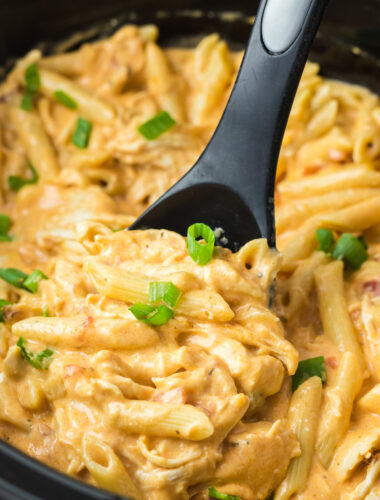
[{"x": 206, "y": 399}]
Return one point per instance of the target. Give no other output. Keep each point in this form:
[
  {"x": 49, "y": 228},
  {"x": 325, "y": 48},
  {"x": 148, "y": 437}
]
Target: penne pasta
[
  {"x": 371, "y": 401},
  {"x": 161, "y": 419},
  {"x": 106, "y": 467},
  {"x": 351, "y": 177},
  {"x": 91, "y": 107},
  {"x": 87, "y": 332},
  {"x": 335, "y": 318},
  {"x": 336, "y": 411},
  {"x": 38, "y": 147},
  {"x": 303, "y": 419},
  {"x": 130, "y": 287}
]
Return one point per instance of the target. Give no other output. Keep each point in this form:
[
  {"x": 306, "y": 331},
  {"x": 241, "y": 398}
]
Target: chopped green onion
[
  {"x": 45, "y": 311},
  {"x": 32, "y": 281},
  {"x": 165, "y": 291},
  {"x": 5, "y": 237},
  {"x": 82, "y": 133},
  {"x": 201, "y": 253},
  {"x": 16, "y": 182},
  {"x": 141, "y": 311},
  {"x": 325, "y": 239},
  {"x": 5, "y": 223},
  {"x": 19, "y": 279},
  {"x": 27, "y": 101},
  {"x": 351, "y": 250},
  {"x": 13, "y": 276},
  {"x": 65, "y": 99},
  {"x": 32, "y": 78},
  {"x": 312, "y": 367},
  {"x": 214, "y": 493},
  {"x": 156, "y": 126},
  {"x": 40, "y": 360},
  {"x": 161, "y": 316},
  {"x": 3, "y": 303},
  {"x": 155, "y": 316}
]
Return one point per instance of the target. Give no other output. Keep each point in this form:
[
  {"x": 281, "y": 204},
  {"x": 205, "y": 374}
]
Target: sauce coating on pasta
[{"x": 136, "y": 364}]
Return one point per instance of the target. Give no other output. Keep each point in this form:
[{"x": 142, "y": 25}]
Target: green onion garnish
[
  {"x": 214, "y": 493},
  {"x": 82, "y": 133},
  {"x": 351, "y": 250},
  {"x": 19, "y": 279},
  {"x": 40, "y": 360},
  {"x": 16, "y": 182},
  {"x": 142, "y": 311},
  {"x": 155, "y": 316},
  {"x": 201, "y": 253},
  {"x": 5, "y": 224},
  {"x": 14, "y": 277},
  {"x": 325, "y": 239},
  {"x": 161, "y": 316},
  {"x": 3, "y": 303},
  {"x": 312, "y": 367},
  {"x": 45, "y": 311},
  {"x": 5, "y": 237},
  {"x": 32, "y": 281},
  {"x": 164, "y": 291},
  {"x": 32, "y": 78},
  {"x": 156, "y": 126},
  {"x": 65, "y": 99},
  {"x": 27, "y": 101}
]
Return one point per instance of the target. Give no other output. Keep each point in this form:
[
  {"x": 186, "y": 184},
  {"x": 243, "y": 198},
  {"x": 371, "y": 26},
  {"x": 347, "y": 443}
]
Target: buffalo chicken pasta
[{"x": 161, "y": 367}]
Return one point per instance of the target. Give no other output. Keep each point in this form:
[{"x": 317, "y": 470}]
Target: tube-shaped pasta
[
  {"x": 294, "y": 213},
  {"x": 212, "y": 55},
  {"x": 160, "y": 419},
  {"x": 336, "y": 320},
  {"x": 336, "y": 411},
  {"x": 322, "y": 120},
  {"x": 301, "y": 246},
  {"x": 371, "y": 401},
  {"x": 106, "y": 333},
  {"x": 301, "y": 282},
  {"x": 347, "y": 178},
  {"x": 355, "y": 217},
  {"x": 162, "y": 83},
  {"x": 106, "y": 467},
  {"x": 303, "y": 419},
  {"x": 91, "y": 107},
  {"x": 130, "y": 287},
  {"x": 35, "y": 141}
]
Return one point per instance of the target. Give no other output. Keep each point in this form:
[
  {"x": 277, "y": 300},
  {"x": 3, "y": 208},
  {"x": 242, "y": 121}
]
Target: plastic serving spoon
[{"x": 232, "y": 184}]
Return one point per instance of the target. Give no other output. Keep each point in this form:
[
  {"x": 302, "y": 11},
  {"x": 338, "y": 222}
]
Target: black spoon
[{"x": 232, "y": 184}]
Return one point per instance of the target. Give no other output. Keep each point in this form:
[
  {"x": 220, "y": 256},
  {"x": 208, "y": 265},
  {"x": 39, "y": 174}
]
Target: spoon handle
[{"x": 244, "y": 150}]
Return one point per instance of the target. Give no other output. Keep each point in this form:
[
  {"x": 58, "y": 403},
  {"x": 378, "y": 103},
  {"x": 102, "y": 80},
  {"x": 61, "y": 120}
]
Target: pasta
[{"x": 156, "y": 366}]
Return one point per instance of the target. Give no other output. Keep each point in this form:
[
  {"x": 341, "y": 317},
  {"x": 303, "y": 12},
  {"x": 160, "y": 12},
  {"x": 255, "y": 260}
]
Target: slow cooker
[{"x": 347, "y": 47}]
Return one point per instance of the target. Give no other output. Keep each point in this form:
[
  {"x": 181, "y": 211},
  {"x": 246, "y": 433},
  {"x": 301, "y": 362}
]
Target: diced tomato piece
[
  {"x": 177, "y": 395},
  {"x": 332, "y": 362},
  {"x": 72, "y": 371},
  {"x": 373, "y": 287}
]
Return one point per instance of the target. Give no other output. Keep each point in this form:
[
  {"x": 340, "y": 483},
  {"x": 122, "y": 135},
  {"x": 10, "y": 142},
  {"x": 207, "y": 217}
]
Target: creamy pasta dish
[{"x": 150, "y": 364}]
